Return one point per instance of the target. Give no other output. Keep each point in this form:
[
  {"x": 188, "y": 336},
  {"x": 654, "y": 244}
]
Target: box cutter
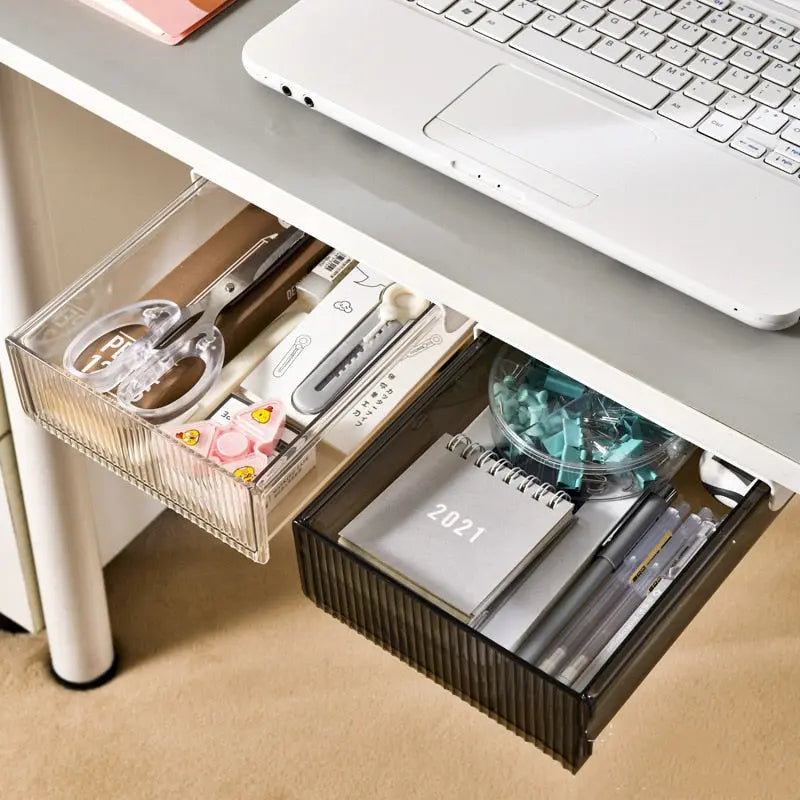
[{"x": 398, "y": 310}]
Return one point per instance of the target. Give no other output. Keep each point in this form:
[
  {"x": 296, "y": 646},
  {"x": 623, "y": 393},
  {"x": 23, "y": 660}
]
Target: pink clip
[
  {"x": 197, "y": 435},
  {"x": 264, "y": 425}
]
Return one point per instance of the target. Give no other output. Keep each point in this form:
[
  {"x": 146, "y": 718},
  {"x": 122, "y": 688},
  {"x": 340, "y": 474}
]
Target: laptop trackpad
[{"x": 538, "y": 135}]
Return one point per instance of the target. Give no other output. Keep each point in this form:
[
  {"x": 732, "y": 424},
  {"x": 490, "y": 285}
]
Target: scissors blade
[
  {"x": 249, "y": 271},
  {"x": 255, "y": 266}
]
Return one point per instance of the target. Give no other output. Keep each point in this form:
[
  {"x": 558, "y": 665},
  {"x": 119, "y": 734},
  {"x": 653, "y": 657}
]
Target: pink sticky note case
[
  {"x": 264, "y": 425},
  {"x": 197, "y": 435},
  {"x": 247, "y": 469},
  {"x": 230, "y": 444}
]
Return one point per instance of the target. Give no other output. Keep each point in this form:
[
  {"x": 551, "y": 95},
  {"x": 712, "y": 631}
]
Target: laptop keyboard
[{"x": 724, "y": 70}]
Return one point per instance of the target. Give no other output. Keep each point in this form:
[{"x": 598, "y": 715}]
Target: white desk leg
[{"x": 54, "y": 487}]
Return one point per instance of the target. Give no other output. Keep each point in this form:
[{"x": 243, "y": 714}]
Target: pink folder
[{"x": 175, "y": 18}]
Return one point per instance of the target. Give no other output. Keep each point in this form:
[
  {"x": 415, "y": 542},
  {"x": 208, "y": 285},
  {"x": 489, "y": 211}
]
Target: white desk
[
  {"x": 100, "y": 184},
  {"x": 618, "y": 331}
]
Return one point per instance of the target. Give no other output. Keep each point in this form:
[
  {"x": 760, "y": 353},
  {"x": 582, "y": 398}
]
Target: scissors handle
[
  {"x": 157, "y": 316},
  {"x": 205, "y": 343},
  {"x": 138, "y": 365}
]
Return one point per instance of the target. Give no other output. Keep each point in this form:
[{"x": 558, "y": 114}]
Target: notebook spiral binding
[{"x": 502, "y": 468}]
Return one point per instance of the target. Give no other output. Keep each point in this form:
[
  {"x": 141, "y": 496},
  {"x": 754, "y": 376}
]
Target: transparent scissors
[{"x": 175, "y": 333}]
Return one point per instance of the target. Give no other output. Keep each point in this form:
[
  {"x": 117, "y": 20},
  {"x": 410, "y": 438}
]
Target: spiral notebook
[{"x": 459, "y": 526}]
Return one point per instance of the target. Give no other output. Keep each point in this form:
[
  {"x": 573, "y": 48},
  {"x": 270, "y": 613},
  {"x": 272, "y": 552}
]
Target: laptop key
[
  {"x": 437, "y": 6},
  {"x": 782, "y": 162},
  {"x": 735, "y": 105},
  {"x": 494, "y": 5},
  {"x": 707, "y": 67},
  {"x": 683, "y": 110},
  {"x": 752, "y": 36},
  {"x": 783, "y": 49},
  {"x": 723, "y": 24},
  {"x": 496, "y": 26},
  {"x": 581, "y": 37},
  {"x": 782, "y": 74},
  {"x": 789, "y": 150},
  {"x": 777, "y": 27},
  {"x": 748, "y": 146},
  {"x": 792, "y": 132},
  {"x": 658, "y": 21},
  {"x": 750, "y": 60},
  {"x": 622, "y": 83},
  {"x": 643, "y": 39},
  {"x": 676, "y": 53},
  {"x": 690, "y": 10},
  {"x": 663, "y": 5},
  {"x": 557, "y": 6},
  {"x": 611, "y": 50},
  {"x": 717, "y": 46},
  {"x": 523, "y": 11},
  {"x": 767, "y": 120},
  {"x": 792, "y": 108},
  {"x": 551, "y": 24},
  {"x": 719, "y": 127},
  {"x": 641, "y": 63},
  {"x": 686, "y": 33},
  {"x": 585, "y": 14},
  {"x": 615, "y": 27},
  {"x": 672, "y": 77},
  {"x": 770, "y": 95},
  {"x": 746, "y": 13},
  {"x": 703, "y": 91},
  {"x": 738, "y": 80},
  {"x": 629, "y": 9},
  {"x": 465, "y": 13}
]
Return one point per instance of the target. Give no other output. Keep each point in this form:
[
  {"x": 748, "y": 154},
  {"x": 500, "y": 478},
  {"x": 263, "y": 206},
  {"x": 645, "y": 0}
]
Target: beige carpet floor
[{"x": 233, "y": 685}]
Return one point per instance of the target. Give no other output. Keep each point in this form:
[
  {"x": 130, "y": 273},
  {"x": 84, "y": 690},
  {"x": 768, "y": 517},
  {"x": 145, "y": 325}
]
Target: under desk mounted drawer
[
  {"x": 562, "y": 720},
  {"x": 175, "y": 256}
]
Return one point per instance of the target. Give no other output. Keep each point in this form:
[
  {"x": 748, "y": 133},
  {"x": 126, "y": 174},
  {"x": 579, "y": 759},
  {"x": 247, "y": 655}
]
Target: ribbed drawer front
[{"x": 469, "y": 665}]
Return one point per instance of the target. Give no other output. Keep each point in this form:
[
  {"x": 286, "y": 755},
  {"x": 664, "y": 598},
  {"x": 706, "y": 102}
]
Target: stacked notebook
[
  {"x": 169, "y": 21},
  {"x": 458, "y": 527}
]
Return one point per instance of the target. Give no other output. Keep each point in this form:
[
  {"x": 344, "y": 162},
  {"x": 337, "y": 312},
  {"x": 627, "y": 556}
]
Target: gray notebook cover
[
  {"x": 535, "y": 593},
  {"x": 452, "y": 531}
]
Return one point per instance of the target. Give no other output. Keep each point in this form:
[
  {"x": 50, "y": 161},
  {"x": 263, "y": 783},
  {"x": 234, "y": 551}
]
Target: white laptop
[{"x": 665, "y": 133}]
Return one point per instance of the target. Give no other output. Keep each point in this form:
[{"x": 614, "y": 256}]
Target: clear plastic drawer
[{"x": 242, "y": 514}]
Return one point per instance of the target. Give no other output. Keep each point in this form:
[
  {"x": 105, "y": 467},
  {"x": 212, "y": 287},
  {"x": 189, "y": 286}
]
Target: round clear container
[{"x": 572, "y": 437}]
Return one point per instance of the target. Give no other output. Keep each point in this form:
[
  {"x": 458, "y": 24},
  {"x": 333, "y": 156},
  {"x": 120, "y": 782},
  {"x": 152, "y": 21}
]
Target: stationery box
[{"x": 288, "y": 370}]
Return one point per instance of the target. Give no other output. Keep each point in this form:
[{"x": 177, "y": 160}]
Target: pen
[
  {"x": 695, "y": 532},
  {"x": 607, "y": 559},
  {"x": 572, "y": 640},
  {"x": 632, "y": 583}
]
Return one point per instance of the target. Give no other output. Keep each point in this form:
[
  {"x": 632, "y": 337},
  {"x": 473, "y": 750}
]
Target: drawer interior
[
  {"x": 176, "y": 256},
  {"x": 470, "y": 656}
]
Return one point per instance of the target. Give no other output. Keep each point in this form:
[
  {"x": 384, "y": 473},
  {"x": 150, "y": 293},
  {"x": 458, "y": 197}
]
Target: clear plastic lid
[{"x": 580, "y": 434}]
